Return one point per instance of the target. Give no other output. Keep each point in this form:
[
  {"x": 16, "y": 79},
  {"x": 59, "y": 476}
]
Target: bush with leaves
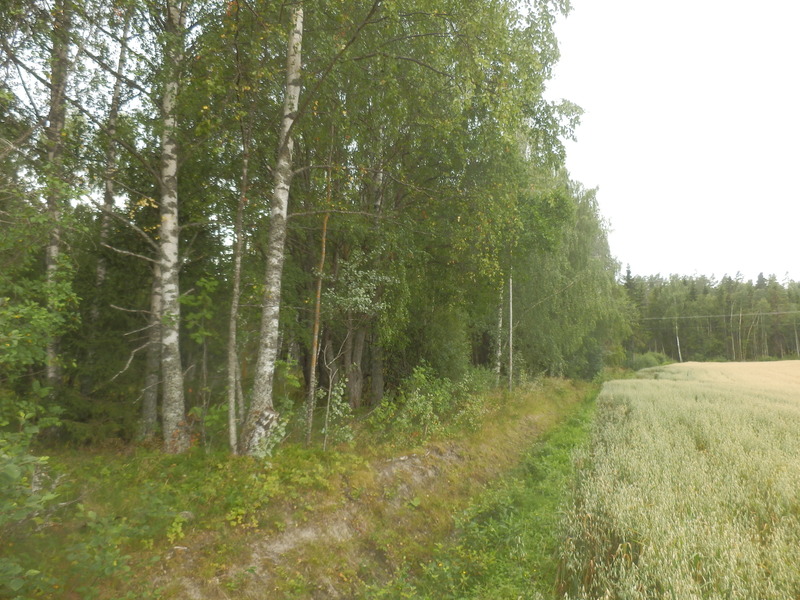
[
  {"x": 648, "y": 360},
  {"x": 338, "y": 427},
  {"x": 426, "y": 405},
  {"x": 25, "y": 500}
]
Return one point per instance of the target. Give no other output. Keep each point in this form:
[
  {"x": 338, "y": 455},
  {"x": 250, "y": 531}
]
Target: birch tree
[
  {"x": 56, "y": 119},
  {"x": 176, "y": 438},
  {"x": 262, "y": 418},
  {"x": 152, "y": 378}
]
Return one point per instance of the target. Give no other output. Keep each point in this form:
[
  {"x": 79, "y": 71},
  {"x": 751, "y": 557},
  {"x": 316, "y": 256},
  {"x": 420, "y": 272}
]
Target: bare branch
[
  {"x": 403, "y": 38},
  {"x": 310, "y": 167},
  {"x": 126, "y": 253},
  {"x": 145, "y": 328},
  {"x": 407, "y": 58},
  {"x": 130, "y": 360},
  {"x": 333, "y": 211},
  {"x": 14, "y": 146},
  {"x": 130, "y": 310},
  {"x": 102, "y": 127},
  {"x": 102, "y": 208},
  {"x": 109, "y": 69}
]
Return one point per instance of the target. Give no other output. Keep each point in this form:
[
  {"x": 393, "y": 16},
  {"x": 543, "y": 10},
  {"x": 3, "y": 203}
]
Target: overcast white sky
[{"x": 691, "y": 130}]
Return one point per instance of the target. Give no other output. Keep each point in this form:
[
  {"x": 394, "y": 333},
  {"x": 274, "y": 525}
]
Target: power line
[{"x": 731, "y": 315}]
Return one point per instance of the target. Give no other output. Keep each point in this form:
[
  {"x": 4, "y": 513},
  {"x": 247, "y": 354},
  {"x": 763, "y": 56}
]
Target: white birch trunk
[
  {"x": 262, "y": 418},
  {"x": 176, "y": 437},
  {"x": 233, "y": 358},
  {"x": 59, "y": 57},
  {"x": 498, "y": 351},
  {"x": 152, "y": 379}
]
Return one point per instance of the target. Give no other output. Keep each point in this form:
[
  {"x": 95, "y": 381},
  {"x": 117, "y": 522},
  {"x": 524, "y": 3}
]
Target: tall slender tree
[
  {"x": 262, "y": 417},
  {"x": 176, "y": 437},
  {"x": 56, "y": 119}
]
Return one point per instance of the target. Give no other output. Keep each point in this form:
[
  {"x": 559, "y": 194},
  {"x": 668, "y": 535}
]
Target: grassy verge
[
  {"x": 134, "y": 523},
  {"x": 506, "y": 542}
]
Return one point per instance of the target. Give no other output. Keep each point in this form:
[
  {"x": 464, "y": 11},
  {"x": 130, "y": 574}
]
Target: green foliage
[
  {"x": 727, "y": 319},
  {"x": 357, "y": 286},
  {"x": 418, "y": 409},
  {"x": 570, "y": 316},
  {"x": 20, "y": 422},
  {"x": 86, "y": 420},
  {"x": 427, "y": 405},
  {"x": 99, "y": 549},
  {"x": 445, "y": 174},
  {"x": 200, "y": 307},
  {"x": 214, "y": 422},
  {"x": 27, "y": 494},
  {"x": 648, "y": 360},
  {"x": 32, "y": 311},
  {"x": 338, "y": 428},
  {"x": 143, "y": 503}
]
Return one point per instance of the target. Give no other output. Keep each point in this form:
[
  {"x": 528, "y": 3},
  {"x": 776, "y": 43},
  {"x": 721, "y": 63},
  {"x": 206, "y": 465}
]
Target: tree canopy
[{"x": 415, "y": 134}]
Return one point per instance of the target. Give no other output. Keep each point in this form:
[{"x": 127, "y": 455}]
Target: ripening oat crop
[{"x": 690, "y": 487}]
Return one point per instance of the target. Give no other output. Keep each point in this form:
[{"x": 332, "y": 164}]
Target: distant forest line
[{"x": 701, "y": 319}]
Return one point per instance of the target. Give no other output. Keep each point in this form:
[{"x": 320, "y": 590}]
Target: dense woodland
[
  {"x": 226, "y": 219},
  {"x": 702, "y": 319},
  {"x": 232, "y": 209},
  {"x": 268, "y": 229}
]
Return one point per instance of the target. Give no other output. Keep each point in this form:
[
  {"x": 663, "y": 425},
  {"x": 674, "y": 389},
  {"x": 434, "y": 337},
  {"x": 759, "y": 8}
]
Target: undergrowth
[
  {"x": 122, "y": 512},
  {"x": 129, "y": 521}
]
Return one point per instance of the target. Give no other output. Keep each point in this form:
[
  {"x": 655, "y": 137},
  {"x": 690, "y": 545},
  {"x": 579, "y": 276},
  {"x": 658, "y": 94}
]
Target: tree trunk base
[{"x": 262, "y": 434}]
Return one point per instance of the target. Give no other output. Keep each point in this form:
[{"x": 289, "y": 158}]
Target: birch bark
[
  {"x": 498, "y": 352},
  {"x": 262, "y": 418},
  {"x": 56, "y": 118},
  {"x": 233, "y": 358},
  {"x": 149, "y": 422},
  {"x": 176, "y": 438}
]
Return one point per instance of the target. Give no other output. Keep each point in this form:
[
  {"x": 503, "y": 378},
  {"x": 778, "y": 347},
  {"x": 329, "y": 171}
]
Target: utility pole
[{"x": 510, "y": 332}]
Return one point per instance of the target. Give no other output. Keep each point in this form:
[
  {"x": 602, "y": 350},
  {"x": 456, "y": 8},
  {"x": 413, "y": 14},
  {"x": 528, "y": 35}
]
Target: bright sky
[{"x": 691, "y": 130}]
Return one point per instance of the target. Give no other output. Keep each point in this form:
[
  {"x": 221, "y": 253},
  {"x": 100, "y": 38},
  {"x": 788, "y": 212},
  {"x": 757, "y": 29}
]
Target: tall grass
[{"x": 690, "y": 487}]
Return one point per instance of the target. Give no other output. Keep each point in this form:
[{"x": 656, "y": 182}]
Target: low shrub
[
  {"x": 427, "y": 405},
  {"x": 648, "y": 360},
  {"x": 27, "y": 493}
]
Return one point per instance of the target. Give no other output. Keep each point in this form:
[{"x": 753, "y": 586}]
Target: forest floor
[{"x": 346, "y": 523}]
